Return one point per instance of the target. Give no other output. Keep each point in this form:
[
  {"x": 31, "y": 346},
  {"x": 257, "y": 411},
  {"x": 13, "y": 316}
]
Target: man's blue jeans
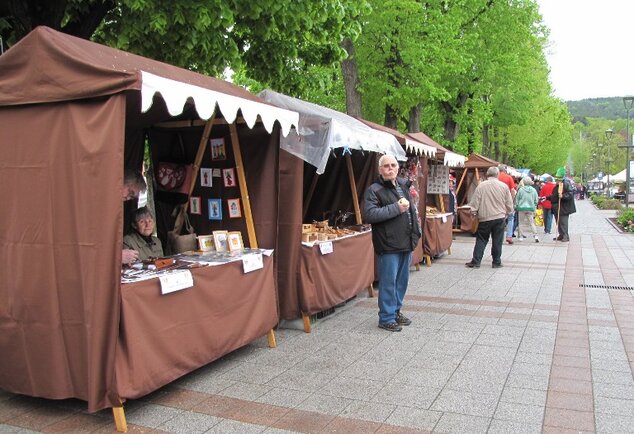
[
  {"x": 548, "y": 220},
  {"x": 393, "y": 280}
]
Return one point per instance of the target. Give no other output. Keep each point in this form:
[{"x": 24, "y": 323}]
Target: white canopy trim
[
  {"x": 454, "y": 160},
  {"x": 419, "y": 149},
  {"x": 176, "y": 93},
  {"x": 322, "y": 129}
]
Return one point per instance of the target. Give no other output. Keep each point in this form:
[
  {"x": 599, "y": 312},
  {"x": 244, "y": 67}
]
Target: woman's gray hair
[
  {"x": 142, "y": 212},
  {"x": 493, "y": 172},
  {"x": 527, "y": 180}
]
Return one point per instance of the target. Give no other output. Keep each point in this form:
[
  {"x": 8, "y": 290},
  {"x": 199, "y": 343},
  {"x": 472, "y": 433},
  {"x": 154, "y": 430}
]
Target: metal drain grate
[{"x": 624, "y": 288}]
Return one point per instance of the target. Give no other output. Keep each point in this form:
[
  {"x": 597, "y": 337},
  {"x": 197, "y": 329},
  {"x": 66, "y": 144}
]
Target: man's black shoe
[
  {"x": 402, "y": 319},
  {"x": 472, "y": 265},
  {"x": 391, "y": 327},
  {"x": 497, "y": 266}
]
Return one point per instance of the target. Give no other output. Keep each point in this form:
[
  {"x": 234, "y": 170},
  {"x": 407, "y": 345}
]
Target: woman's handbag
[{"x": 178, "y": 243}]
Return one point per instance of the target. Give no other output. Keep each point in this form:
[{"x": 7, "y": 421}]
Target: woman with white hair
[{"x": 526, "y": 201}]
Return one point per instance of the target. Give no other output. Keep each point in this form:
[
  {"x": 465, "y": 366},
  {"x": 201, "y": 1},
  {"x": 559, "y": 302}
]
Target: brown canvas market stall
[
  {"x": 469, "y": 177},
  {"x": 437, "y": 228},
  {"x": 72, "y": 113},
  {"x": 324, "y": 172}
]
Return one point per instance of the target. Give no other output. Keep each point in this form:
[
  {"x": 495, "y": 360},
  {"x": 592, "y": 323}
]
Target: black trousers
[{"x": 495, "y": 230}]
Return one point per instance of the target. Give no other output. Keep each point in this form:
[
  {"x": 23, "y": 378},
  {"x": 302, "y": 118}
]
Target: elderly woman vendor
[{"x": 141, "y": 239}]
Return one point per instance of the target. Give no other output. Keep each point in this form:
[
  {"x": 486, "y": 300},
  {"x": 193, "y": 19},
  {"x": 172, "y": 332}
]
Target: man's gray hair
[
  {"x": 493, "y": 172},
  {"x": 502, "y": 168},
  {"x": 385, "y": 157},
  {"x": 134, "y": 178},
  {"x": 142, "y": 212}
]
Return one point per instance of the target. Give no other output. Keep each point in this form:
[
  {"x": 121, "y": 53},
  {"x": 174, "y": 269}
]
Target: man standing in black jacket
[{"x": 395, "y": 233}]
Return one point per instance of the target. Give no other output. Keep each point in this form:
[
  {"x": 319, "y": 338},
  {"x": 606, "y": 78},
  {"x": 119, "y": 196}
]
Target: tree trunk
[
  {"x": 390, "y": 117},
  {"x": 413, "y": 125},
  {"x": 496, "y": 144},
  {"x": 486, "y": 145},
  {"x": 351, "y": 80}
]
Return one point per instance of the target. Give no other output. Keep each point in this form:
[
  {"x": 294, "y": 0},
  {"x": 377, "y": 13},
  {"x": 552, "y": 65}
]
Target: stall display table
[
  {"x": 466, "y": 219},
  {"x": 326, "y": 280},
  {"x": 163, "y": 337},
  {"x": 438, "y": 235},
  {"x": 418, "y": 255}
]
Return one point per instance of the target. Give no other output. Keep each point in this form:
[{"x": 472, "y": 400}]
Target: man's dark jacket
[
  {"x": 391, "y": 229},
  {"x": 567, "y": 199}
]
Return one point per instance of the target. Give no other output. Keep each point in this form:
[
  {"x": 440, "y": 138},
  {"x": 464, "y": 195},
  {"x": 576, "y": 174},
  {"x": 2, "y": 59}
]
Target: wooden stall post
[
  {"x": 353, "y": 188},
  {"x": 271, "y": 338},
  {"x": 244, "y": 192},
  {"x": 119, "y": 419}
]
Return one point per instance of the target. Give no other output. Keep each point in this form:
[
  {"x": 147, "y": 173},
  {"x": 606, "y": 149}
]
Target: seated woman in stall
[{"x": 142, "y": 238}]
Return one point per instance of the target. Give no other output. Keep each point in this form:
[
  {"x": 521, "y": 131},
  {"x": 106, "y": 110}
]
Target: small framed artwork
[
  {"x": 215, "y": 209},
  {"x": 233, "y": 205},
  {"x": 234, "y": 241},
  {"x": 220, "y": 241},
  {"x": 205, "y": 178},
  {"x": 229, "y": 177},
  {"x": 194, "y": 205},
  {"x": 218, "y": 151}
]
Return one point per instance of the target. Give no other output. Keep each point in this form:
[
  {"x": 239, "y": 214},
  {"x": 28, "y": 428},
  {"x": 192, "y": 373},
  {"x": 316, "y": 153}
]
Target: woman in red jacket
[{"x": 547, "y": 206}]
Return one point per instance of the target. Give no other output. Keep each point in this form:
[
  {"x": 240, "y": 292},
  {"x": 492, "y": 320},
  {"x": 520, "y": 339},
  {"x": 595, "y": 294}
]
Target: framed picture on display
[
  {"x": 233, "y": 205},
  {"x": 194, "y": 205},
  {"x": 229, "y": 177},
  {"x": 234, "y": 241},
  {"x": 218, "y": 151},
  {"x": 215, "y": 209},
  {"x": 205, "y": 178},
  {"x": 220, "y": 241}
]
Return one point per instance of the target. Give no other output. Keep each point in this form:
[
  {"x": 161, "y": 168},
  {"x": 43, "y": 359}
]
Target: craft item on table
[
  {"x": 234, "y": 241},
  {"x": 206, "y": 243},
  {"x": 233, "y": 205},
  {"x": 229, "y": 177},
  {"x": 322, "y": 231},
  {"x": 194, "y": 205},
  {"x": 220, "y": 241}
]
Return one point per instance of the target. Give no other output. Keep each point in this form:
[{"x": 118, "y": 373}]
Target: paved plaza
[{"x": 544, "y": 344}]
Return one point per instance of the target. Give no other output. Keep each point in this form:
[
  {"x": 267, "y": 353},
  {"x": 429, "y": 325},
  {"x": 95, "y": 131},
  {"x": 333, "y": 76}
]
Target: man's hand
[
  {"x": 129, "y": 256},
  {"x": 403, "y": 204}
]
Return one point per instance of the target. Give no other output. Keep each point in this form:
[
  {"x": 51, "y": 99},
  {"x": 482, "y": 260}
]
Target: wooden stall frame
[{"x": 306, "y": 317}]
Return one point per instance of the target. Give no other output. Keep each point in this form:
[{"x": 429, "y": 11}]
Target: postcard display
[{"x": 437, "y": 231}]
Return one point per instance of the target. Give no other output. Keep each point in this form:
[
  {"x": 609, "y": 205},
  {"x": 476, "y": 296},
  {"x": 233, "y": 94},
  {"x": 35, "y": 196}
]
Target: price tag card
[
  {"x": 216, "y": 173},
  {"x": 176, "y": 280},
  {"x": 252, "y": 262},
  {"x": 444, "y": 219},
  {"x": 326, "y": 247}
]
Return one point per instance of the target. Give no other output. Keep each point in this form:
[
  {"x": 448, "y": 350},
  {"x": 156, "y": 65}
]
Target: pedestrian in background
[
  {"x": 547, "y": 206},
  {"x": 510, "y": 183},
  {"x": 526, "y": 203},
  {"x": 491, "y": 202},
  {"x": 563, "y": 203}
]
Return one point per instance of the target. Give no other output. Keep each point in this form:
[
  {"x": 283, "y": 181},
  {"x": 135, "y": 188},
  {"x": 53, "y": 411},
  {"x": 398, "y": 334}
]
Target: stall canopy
[
  {"x": 70, "y": 112},
  {"x": 477, "y": 161},
  {"x": 449, "y": 158},
  {"x": 322, "y": 129},
  {"x": 410, "y": 145}
]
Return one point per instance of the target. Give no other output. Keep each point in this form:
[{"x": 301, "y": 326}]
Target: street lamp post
[
  {"x": 608, "y": 138},
  {"x": 628, "y": 102},
  {"x": 599, "y": 152}
]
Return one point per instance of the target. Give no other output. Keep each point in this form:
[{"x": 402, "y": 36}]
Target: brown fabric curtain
[{"x": 61, "y": 172}]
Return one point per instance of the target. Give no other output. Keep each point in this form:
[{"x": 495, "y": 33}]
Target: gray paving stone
[
  {"x": 418, "y": 376},
  {"x": 300, "y": 380},
  {"x": 613, "y": 377},
  {"x": 284, "y": 397},
  {"x": 619, "y": 391},
  {"x": 531, "y": 369},
  {"x": 527, "y": 382},
  {"x": 524, "y": 396},
  {"x": 534, "y": 358},
  {"x": 254, "y": 373},
  {"x": 623, "y": 407},
  {"x": 611, "y": 365},
  {"x": 413, "y": 396},
  {"x": 324, "y": 404},
  {"x": 524, "y": 413},
  {"x": 413, "y": 418},
  {"x": 151, "y": 415},
  {"x": 370, "y": 411},
  {"x": 189, "y": 422},
  {"x": 506, "y": 426},
  {"x": 352, "y": 388},
  {"x": 10, "y": 429},
  {"x": 246, "y": 391},
  {"x": 458, "y": 401},
  {"x": 461, "y": 424},
  {"x": 477, "y": 382},
  {"x": 614, "y": 424},
  {"x": 236, "y": 427}
]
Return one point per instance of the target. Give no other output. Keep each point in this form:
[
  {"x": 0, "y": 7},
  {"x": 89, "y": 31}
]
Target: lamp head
[
  {"x": 628, "y": 102},
  {"x": 608, "y": 133}
]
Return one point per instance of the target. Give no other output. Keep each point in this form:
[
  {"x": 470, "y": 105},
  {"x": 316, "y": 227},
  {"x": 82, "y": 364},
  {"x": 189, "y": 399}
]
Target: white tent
[
  {"x": 618, "y": 177},
  {"x": 322, "y": 129}
]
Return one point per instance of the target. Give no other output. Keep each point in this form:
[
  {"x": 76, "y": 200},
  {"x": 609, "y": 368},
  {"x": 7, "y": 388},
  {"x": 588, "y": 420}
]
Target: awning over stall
[
  {"x": 51, "y": 66},
  {"x": 322, "y": 129},
  {"x": 410, "y": 145},
  {"x": 449, "y": 158}
]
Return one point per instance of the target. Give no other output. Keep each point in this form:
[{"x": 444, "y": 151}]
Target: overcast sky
[{"x": 589, "y": 45}]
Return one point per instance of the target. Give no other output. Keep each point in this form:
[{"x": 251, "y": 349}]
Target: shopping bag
[{"x": 539, "y": 217}]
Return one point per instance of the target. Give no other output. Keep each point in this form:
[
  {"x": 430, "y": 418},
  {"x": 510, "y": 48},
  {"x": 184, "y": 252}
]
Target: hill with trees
[{"x": 605, "y": 108}]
